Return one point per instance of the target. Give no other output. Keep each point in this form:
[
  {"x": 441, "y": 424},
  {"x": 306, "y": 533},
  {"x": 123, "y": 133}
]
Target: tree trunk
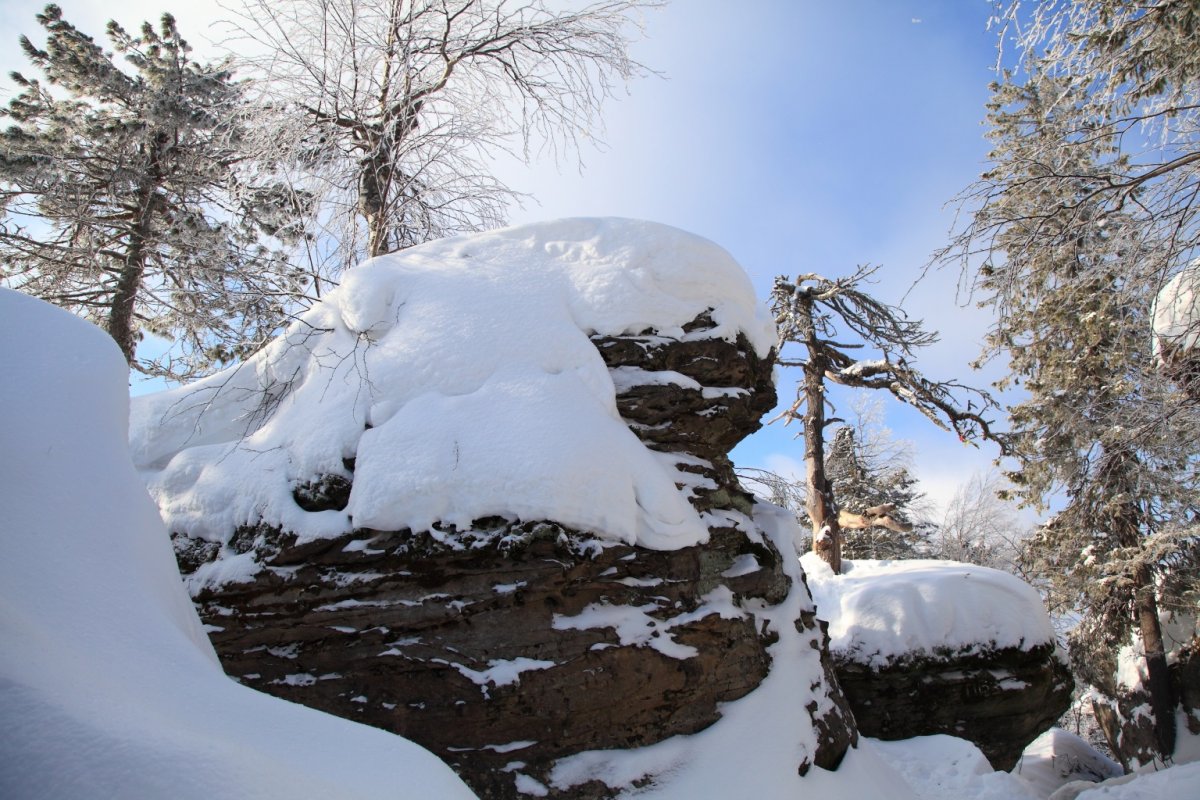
[
  {"x": 378, "y": 170},
  {"x": 1145, "y": 611},
  {"x": 120, "y": 324},
  {"x": 822, "y": 510},
  {"x": 120, "y": 315},
  {"x": 372, "y": 190},
  {"x": 1158, "y": 680}
]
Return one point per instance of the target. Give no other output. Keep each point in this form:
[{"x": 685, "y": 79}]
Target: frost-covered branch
[{"x": 393, "y": 110}]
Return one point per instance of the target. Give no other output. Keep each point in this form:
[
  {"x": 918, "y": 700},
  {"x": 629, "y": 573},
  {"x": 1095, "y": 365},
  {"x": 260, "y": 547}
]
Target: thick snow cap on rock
[
  {"x": 880, "y": 612},
  {"x": 108, "y": 685},
  {"x": 1177, "y": 312},
  {"x": 459, "y": 377}
]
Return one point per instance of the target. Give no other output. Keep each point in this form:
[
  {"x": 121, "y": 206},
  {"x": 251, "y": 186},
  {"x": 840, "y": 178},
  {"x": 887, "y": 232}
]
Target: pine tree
[
  {"x": 876, "y": 499},
  {"x": 124, "y": 197},
  {"x": 1088, "y": 208}
]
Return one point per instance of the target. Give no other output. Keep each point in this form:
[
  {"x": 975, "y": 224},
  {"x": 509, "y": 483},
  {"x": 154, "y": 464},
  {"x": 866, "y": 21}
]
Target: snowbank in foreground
[
  {"x": 459, "y": 377},
  {"x": 880, "y": 611},
  {"x": 1180, "y": 782},
  {"x": 108, "y": 686},
  {"x": 946, "y": 768}
]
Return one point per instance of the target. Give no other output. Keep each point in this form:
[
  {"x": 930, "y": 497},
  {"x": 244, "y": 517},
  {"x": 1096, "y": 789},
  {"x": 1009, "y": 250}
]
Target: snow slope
[
  {"x": 1181, "y": 782},
  {"x": 880, "y": 611},
  {"x": 108, "y": 686},
  {"x": 460, "y": 378}
]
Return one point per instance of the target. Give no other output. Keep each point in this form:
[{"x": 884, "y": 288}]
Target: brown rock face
[
  {"x": 512, "y": 644},
  {"x": 1001, "y": 700}
]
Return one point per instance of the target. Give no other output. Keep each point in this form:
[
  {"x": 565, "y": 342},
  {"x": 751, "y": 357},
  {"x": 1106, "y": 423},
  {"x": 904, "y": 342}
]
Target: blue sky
[{"x": 799, "y": 135}]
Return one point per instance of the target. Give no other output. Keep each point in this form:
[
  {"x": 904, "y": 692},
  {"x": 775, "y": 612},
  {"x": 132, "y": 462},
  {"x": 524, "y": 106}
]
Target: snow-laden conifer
[
  {"x": 124, "y": 197},
  {"x": 1087, "y": 210}
]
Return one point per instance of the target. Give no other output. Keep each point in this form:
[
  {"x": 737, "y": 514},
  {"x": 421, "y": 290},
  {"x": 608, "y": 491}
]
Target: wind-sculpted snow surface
[
  {"x": 465, "y": 386},
  {"x": 108, "y": 686}
]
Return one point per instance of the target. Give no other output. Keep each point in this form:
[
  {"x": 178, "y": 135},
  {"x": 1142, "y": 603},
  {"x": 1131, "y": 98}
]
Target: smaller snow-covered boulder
[
  {"x": 1176, "y": 326},
  {"x": 925, "y": 647},
  {"x": 1177, "y": 314},
  {"x": 1059, "y": 757}
]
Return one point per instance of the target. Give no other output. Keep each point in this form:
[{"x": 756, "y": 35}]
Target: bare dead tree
[{"x": 819, "y": 314}]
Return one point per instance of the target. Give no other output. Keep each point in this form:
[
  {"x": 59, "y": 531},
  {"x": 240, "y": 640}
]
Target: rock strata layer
[{"x": 1001, "y": 700}]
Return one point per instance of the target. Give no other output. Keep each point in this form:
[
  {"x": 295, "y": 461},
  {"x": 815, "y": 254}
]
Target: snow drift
[{"x": 108, "y": 685}]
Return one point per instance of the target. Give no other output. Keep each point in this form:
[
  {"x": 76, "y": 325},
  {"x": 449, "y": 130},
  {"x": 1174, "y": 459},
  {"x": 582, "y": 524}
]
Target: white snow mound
[
  {"x": 1177, "y": 312},
  {"x": 883, "y": 611},
  {"x": 460, "y": 378},
  {"x": 1058, "y": 757},
  {"x": 108, "y": 686}
]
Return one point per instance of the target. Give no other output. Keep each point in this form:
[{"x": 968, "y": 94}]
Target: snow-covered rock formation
[
  {"x": 480, "y": 496},
  {"x": 1176, "y": 316},
  {"x": 932, "y": 647},
  {"x": 108, "y": 686}
]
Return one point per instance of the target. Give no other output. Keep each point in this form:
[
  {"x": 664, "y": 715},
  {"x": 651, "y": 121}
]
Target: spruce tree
[
  {"x": 1088, "y": 208},
  {"x": 124, "y": 198},
  {"x": 882, "y": 495}
]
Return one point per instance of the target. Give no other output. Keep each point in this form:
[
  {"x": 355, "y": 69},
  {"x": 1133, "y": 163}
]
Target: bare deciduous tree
[
  {"x": 392, "y": 110},
  {"x": 978, "y": 527}
]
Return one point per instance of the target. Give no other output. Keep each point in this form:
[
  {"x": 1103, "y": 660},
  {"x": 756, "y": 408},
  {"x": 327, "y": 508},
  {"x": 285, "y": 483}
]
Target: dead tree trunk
[
  {"x": 808, "y": 312},
  {"x": 822, "y": 508}
]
